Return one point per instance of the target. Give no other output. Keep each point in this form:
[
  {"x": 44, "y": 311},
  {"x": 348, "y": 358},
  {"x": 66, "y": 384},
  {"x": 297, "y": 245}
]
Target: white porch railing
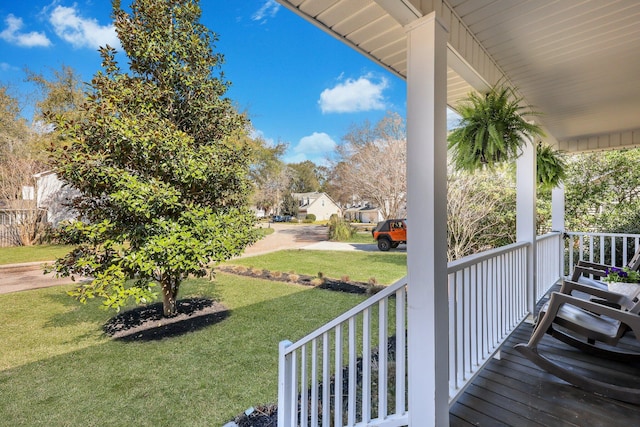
[
  {"x": 605, "y": 248},
  {"x": 487, "y": 300},
  {"x": 351, "y": 371},
  {"x": 361, "y": 356},
  {"x": 549, "y": 262}
]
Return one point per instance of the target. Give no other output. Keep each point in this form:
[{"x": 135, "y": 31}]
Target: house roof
[{"x": 577, "y": 62}]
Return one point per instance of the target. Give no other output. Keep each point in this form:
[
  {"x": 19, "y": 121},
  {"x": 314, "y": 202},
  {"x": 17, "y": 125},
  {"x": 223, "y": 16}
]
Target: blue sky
[{"x": 298, "y": 84}]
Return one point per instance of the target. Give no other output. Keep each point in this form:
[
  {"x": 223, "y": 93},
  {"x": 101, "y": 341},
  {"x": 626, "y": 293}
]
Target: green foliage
[
  {"x": 340, "y": 230},
  {"x": 550, "y": 167},
  {"x": 602, "y": 192},
  {"x": 14, "y": 130},
  {"x": 307, "y": 177},
  {"x": 289, "y": 205},
  {"x": 491, "y": 129},
  {"x": 310, "y": 217},
  {"x": 161, "y": 160}
]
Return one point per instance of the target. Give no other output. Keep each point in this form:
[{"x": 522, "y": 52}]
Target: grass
[
  {"x": 362, "y": 237},
  {"x": 57, "y": 368},
  {"x": 386, "y": 267},
  {"x": 20, "y": 254}
]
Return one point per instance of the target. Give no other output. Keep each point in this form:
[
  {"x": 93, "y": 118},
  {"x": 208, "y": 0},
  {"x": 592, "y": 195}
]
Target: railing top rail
[
  {"x": 470, "y": 260},
  {"x": 581, "y": 233},
  {"x": 385, "y": 293},
  {"x": 549, "y": 235}
]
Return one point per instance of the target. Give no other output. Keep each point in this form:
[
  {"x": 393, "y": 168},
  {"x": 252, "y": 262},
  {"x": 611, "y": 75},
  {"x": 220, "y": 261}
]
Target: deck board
[{"x": 513, "y": 391}]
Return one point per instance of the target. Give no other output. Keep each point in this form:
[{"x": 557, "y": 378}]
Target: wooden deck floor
[{"x": 515, "y": 392}]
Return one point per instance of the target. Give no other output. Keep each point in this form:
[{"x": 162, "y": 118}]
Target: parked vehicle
[{"x": 390, "y": 233}]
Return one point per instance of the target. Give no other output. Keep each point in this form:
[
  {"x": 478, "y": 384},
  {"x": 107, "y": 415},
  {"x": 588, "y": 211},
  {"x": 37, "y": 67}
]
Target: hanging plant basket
[
  {"x": 493, "y": 128},
  {"x": 550, "y": 166}
]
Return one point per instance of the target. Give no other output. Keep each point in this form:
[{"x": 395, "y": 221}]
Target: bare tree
[
  {"x": 17, "y": 193},
  {"x": 480, "y": 212},
  {"x": 373, "y": 163}
]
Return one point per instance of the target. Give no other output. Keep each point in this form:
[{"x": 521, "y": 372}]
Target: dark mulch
[
  {"x": 262, "y": 416},
  {"x": 147, "y": 323},
  {"x": 328, "y": 283}
]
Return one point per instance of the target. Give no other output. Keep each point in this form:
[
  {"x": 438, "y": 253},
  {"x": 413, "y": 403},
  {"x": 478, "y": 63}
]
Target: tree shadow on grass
[{"x": 148, "y": 323}]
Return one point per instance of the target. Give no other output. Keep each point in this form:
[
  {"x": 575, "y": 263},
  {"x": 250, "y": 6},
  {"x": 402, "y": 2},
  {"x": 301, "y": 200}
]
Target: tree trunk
[{"x": 169, "y": 299}]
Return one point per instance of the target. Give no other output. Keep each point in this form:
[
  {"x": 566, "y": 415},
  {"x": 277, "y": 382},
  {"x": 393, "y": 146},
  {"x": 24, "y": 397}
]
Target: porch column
[
  {"x": 557, "y": 208},
  {"x": 526, "y": 215},
  {"x": 557, "y": 221},
  {"x": 428, "y": 319}
]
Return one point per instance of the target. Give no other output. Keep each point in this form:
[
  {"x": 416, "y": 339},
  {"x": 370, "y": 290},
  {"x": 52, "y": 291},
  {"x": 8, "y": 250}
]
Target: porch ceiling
[{"x": 578, "y": 62}]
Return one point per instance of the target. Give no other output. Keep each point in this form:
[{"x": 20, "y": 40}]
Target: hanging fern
[
  {"x": 491, "y": 130},
  {"x": 551, "y": 167}
]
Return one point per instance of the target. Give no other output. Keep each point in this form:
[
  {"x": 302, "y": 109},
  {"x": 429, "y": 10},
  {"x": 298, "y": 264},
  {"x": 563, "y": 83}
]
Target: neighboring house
[
  {"x": 55, "y": 197},
  {"x": 364, "y": 214},
  {"x": 318, "y": 204},
  {"x": 259, "y": 212}
]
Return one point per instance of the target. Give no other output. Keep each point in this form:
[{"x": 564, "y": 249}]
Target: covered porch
[{"x": 577, "y": 63}]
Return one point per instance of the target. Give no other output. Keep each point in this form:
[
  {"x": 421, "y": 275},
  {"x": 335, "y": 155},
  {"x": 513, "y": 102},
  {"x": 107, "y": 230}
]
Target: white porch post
[
  {"x": 557, "y": 208},
  {"x": 557, "y": 220},
  {"x": 428, "y": 332},
  {"x": 526, "y": 214}
]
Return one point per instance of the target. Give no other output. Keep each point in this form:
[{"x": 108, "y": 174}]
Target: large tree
[
  {"x": 307, "y": 177},
  {"x": 160, "y": 158},
  {"x": 603, "y": 191},
  {"x": 14, "y": 129},
  {"x": 372, "y": 165},
  {"x": 269, "y": 175}
]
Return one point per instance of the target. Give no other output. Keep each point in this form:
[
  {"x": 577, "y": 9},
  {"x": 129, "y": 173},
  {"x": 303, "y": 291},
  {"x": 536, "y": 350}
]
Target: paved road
[
  {"x": 27, "y": 276},
  {"x": 20, "y": 277}
]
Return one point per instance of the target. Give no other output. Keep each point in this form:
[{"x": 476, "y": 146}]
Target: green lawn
[
  {"x": 20, "y": 254},
  {"x": 386, "y": 267},
  {"x": 362, "y": 237},
  {"x": 57, "y": 368}
]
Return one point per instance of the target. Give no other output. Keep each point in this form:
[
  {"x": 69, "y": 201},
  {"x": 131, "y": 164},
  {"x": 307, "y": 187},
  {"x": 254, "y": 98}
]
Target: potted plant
[
  {"x": 493, "y": 128},
  {"x": 550, "y": 167}
]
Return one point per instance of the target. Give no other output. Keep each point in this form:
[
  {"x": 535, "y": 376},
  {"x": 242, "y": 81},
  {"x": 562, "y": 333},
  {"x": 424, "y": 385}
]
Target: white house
[
  {"x": 316, "y": 203},
  {"x": 364, "y": 214},
  {"x": 53, "y": 196}
]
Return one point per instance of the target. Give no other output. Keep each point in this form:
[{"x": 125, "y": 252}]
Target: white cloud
[
  {"x": 81, "y": 32},
  {"x": 12, "y": 34},
  {"x": 316, "y": 147},
  {"x": 7, "y": 67},
  {"x": 268, "y": 10},
  {"x": 363, "y": 94},
  {"x": 316, "y": 143}
]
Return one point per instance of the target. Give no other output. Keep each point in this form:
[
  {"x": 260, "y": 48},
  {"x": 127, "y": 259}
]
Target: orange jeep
[{"x": 390, "y": 233}]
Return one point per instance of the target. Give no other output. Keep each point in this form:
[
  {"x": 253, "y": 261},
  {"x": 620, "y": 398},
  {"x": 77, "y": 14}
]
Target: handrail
[
  {"x": 369, "y": 302},
  {"x": 467, "y": 261}
]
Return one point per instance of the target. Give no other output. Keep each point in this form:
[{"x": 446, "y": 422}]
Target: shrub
[
  {"x": 340, "y": 230},
  {"x": 310, "y": 217},
  {"x": 293, "y": 277}
]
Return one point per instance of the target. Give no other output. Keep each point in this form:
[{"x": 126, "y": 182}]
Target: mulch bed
[
  {"x": 327, "y": 283},
  {"x": 147, "y": 323}
]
